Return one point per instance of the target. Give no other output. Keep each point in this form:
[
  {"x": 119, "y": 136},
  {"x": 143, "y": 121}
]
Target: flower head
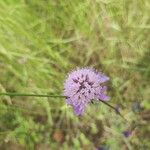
[{"x": 82, "y": 86}]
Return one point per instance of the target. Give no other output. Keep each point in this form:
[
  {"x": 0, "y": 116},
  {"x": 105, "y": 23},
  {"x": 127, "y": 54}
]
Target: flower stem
[
  {"x": 114, "y": 108},
  {"x": 34, "y": 95},
  {"x": 60, "y": 96}
]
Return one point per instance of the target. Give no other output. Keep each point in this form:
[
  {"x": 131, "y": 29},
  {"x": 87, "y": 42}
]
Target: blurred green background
[{"x": 42, "y": 40}]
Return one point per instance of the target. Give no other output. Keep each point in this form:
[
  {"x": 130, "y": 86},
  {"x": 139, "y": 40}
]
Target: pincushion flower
[{"x": 82, "y": 86}]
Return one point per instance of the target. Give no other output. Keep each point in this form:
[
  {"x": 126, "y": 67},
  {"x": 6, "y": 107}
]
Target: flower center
[{"x": 82, "y": 81}]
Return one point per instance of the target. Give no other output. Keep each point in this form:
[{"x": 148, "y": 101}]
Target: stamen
[
  {"x": 87, "y": 78},
  {"x": 91, "y": 83},
  {"x": 75, "y": 80}
]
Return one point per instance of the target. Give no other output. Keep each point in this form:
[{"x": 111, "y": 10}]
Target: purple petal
[
  {"x": 104, "y": 97},
  {"x": 68, "y": 101},
  {"x": 78, "y": 110},
  {"x": 103, "y": 78},
  {"x": 104, "y": 88}
]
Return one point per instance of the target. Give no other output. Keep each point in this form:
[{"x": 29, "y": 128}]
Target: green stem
[
  {"x": 115, "y": 109},
  {"x": 60, "y": 96},
  {"x": 24, "y": 94}
]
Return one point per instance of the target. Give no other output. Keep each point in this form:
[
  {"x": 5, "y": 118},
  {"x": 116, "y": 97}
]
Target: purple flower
[
  {"x": 82, "y": 86},
  {"x": 127, "y": 133}
]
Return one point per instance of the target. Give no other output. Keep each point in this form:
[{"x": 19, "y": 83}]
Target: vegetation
[{"x": 41, "y": 41}]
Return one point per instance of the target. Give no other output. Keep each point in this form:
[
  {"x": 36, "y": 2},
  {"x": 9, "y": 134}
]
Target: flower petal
[
  {"x": 78, "y": 110},
  {"x": 68, "y": 101},
  {"x": 104, "y": 97},
  {"x": 104, "y": 88},
  {"x": 103, "y": 78}
]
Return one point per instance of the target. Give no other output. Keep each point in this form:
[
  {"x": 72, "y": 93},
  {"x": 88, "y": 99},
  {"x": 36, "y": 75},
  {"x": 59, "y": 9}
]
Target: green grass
[{"x": 42, "y": 40}]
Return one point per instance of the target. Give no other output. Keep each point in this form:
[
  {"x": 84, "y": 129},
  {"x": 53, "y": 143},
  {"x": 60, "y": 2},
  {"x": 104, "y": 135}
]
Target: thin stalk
[
  {"x": 112, "y": 107},
  {"x": 60, "y": 96},
  {"x": 34, "y": 95}
]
